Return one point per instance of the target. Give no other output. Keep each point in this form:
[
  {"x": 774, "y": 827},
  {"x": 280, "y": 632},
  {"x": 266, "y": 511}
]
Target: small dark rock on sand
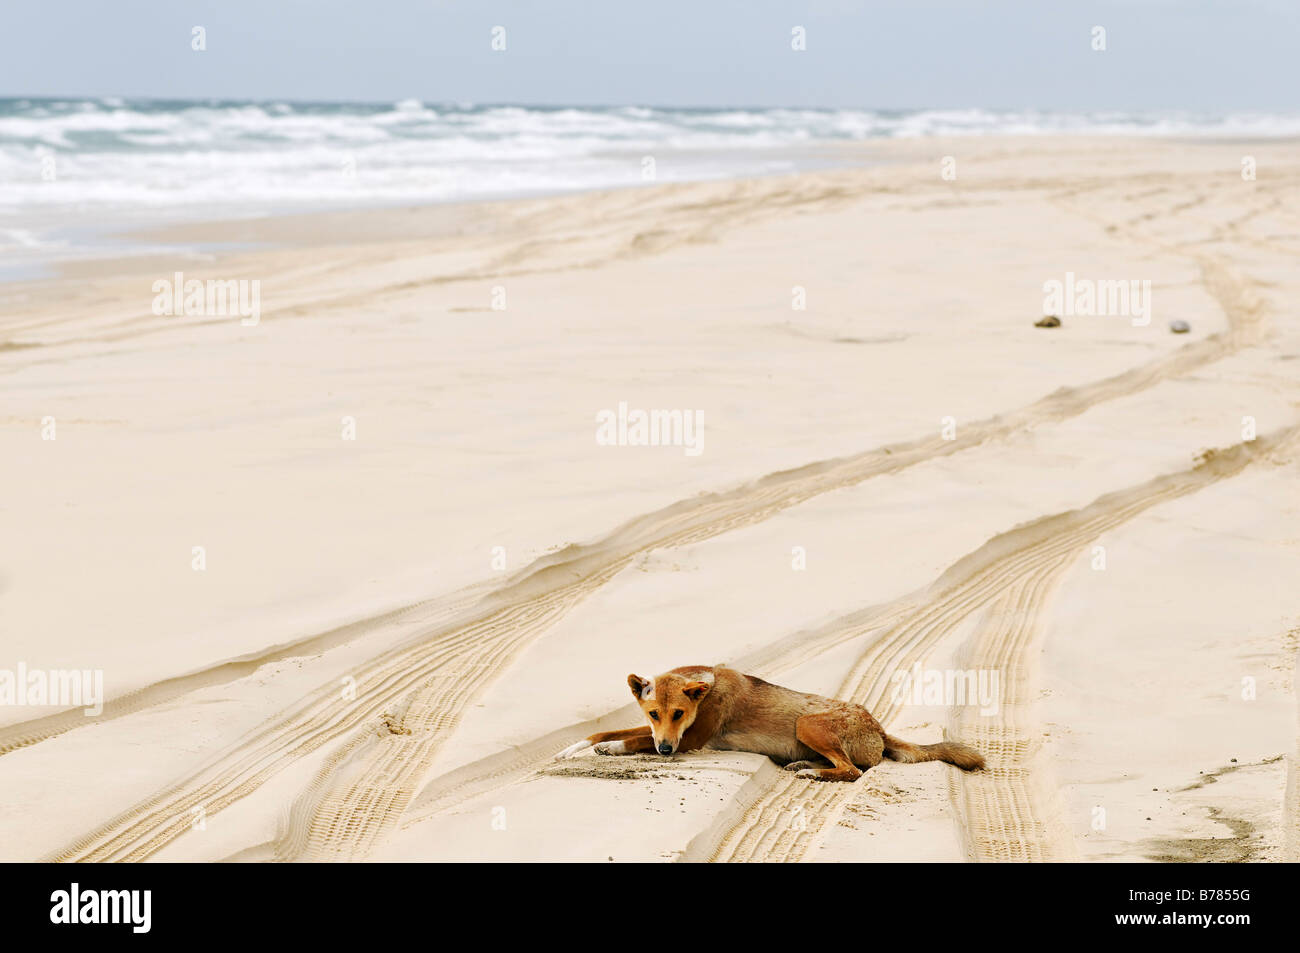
[
  {"x": 1179, "y": 327},
  {"x": 1048, "y": 321}
]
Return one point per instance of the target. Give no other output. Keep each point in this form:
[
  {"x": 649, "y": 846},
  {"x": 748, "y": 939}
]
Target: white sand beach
[{"x": 419, "y": 574}]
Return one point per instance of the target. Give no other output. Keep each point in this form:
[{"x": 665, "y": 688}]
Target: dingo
[{"x": 821, "y": 738}]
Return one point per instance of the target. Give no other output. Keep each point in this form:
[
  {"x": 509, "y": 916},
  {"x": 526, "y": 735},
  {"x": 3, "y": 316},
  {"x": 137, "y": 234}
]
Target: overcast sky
[{"x": 1191, "y": 54}]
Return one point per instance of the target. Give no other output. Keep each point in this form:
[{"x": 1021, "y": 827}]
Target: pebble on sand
[
  {"x": 1048, "y": 321},
  {"x": 1179, "y": 327}
]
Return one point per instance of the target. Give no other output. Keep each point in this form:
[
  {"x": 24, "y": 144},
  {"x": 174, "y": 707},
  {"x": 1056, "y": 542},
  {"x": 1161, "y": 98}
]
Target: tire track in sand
[
  {"x": 1012, "y": 810},
  {"x": 417, "y": 616},
  {"x": 1021, "y": 564},
  {"x": 457, "y": 660}
]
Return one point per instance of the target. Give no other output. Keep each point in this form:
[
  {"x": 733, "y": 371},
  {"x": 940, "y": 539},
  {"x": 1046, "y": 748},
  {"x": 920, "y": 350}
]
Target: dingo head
[{"x": 670, "y": 703}]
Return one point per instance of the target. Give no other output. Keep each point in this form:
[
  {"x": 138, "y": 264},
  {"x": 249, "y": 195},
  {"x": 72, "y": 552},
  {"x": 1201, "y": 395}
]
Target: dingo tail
[{"x": 953, "y": 752}]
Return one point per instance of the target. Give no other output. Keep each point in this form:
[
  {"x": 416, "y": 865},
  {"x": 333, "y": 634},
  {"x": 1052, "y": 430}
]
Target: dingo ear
[
  {"x": 696, "y": 690},
  {"x": 642, "y": 688}
]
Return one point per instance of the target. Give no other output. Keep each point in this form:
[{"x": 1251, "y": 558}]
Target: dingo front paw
[
  {"x": 573, "y": 749},
  {"x": 611, "y": 747}
]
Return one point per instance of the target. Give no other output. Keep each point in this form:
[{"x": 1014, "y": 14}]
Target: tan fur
[{"x": 715, "y": 706}]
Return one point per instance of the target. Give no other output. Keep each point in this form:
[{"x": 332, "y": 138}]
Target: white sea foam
[{"x": 68, "y": 154}]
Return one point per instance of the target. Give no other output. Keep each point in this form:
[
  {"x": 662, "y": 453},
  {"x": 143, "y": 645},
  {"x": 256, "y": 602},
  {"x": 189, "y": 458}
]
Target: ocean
[{"x": 74, "y": 170}]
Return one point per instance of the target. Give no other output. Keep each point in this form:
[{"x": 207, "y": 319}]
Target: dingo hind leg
[{"x": 824, "y": 733}]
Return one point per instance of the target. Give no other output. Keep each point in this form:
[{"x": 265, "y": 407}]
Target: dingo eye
[
  {"x": 654, "y": 715},
  {"x": 678, "y": 714}
]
